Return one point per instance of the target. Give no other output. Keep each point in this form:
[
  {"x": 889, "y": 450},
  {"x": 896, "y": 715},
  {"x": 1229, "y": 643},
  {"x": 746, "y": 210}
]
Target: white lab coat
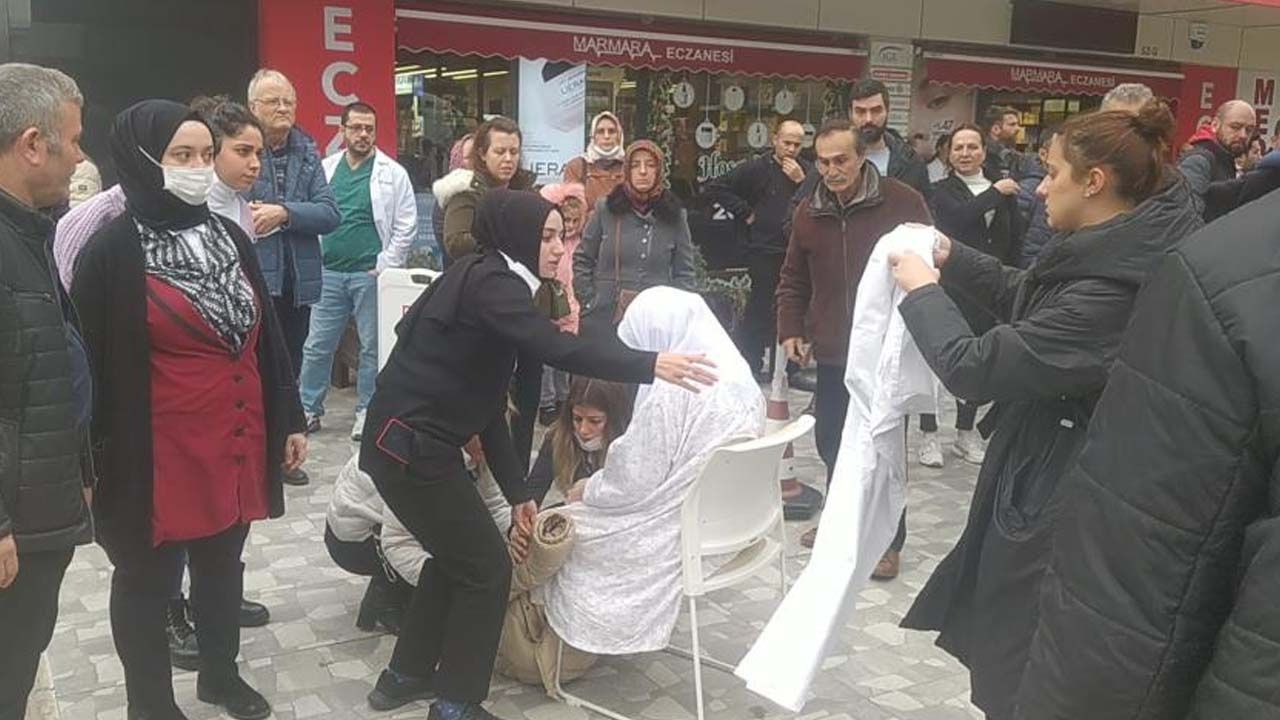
[
  {"x": 619, "y": 591},
  {"x": 887, "y": 380},
  {"x": 395, "y": 209}
]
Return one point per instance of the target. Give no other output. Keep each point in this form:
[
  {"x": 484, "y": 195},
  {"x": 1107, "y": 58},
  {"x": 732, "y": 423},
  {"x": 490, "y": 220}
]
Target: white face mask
[
  {"x": 190, "y": 185},
  {"x": 595, "y": 444}
]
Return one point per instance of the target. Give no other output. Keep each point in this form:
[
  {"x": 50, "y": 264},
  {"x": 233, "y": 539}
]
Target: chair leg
[
  {"x": 782, "y": 557},
  {"x": 574, "y": 700},
  {"x": 697, "y": 654}
]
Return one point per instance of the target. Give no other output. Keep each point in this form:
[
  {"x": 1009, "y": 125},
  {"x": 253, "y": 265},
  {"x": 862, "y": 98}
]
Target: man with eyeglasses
[
  {"x": 292, "y": 206},
  {"x": 379, "y": 222}
]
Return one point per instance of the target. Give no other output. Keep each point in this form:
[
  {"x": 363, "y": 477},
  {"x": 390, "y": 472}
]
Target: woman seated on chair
[
  {"x": 595, "y": 413},
  {"x": 619, "y": 592}
]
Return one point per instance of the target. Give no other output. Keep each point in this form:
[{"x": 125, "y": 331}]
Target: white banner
[{"x": 552, "y": 115}]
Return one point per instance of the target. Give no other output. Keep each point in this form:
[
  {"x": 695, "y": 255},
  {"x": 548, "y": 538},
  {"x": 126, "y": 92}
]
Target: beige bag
[{"x": 528, "y": 647}]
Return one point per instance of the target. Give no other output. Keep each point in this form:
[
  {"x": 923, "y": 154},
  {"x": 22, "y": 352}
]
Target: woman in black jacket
[
  {"x": 980, "y": 212},
  {"x": 445, "y": 381},
  {"x": 196, "y": 411},
  {"x": 1117, "y": 211}
]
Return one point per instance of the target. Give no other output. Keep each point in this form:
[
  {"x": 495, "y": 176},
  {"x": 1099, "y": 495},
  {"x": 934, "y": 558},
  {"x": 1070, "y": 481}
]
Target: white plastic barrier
[{"x": 398, "y": 288}]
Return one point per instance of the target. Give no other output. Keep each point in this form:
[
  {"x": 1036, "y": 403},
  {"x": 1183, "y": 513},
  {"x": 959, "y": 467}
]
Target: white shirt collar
[{"x": 519, "y": 269}]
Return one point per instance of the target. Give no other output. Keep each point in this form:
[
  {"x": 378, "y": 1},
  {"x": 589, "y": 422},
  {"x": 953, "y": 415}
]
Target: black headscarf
[
  {"x": 150, "y": 125},
  {"x": 506, "y": 221},
  {"x": 511, "y": 221}
]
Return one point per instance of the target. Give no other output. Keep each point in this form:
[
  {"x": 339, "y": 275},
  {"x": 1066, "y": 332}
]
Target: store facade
[
  {"x": 960, "y": 87},
  {"x": 709, "y": 97}
]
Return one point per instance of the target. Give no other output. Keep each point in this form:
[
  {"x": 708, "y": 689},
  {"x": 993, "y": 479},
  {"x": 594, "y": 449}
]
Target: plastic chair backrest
[{"x": 736, "y": 500}]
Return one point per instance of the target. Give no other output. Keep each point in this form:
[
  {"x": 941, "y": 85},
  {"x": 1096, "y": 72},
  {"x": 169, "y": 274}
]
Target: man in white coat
[{"x": 379, "y": 223}]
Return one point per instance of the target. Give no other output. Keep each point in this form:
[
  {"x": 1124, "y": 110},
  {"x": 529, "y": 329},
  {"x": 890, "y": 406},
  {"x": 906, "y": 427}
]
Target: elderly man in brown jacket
[{"x": 832, "y": 234}]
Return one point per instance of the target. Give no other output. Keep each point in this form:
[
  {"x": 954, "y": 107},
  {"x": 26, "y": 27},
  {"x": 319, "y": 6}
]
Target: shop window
[{"x": 1038, "y": 112}]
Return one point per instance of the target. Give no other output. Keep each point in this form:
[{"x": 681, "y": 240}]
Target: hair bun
[{"x": 1154, "y": 122}]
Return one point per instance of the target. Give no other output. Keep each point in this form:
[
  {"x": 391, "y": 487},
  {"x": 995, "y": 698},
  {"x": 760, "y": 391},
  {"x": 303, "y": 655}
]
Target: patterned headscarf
[{"x": 641, "y": 201}]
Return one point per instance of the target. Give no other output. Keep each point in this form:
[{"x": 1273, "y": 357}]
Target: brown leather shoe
[
  {"x": 807, "y": 539},
  {"x": 887, "y": 568}
]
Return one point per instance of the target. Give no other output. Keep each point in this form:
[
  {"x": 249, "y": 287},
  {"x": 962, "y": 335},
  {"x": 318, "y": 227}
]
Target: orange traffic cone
[{"x": 800, "y": 502}]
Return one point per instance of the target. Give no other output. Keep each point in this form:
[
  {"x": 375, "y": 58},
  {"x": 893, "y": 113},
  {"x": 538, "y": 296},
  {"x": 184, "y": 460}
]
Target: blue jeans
[{"x": 343, "y": 295}]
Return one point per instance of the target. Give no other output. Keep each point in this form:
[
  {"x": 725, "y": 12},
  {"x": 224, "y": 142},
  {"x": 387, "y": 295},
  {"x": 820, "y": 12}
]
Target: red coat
[{"x": 209, "y": 433}]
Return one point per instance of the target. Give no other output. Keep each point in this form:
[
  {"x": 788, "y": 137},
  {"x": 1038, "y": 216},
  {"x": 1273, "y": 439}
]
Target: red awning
[
  {"x": 1043, "y": 77},
  {"x": 509, "y": 37}
]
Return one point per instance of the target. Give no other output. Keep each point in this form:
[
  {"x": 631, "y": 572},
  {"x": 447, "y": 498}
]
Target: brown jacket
[
  {"x": 827, "y": 253},
  {"x": 598, "y": 178}
]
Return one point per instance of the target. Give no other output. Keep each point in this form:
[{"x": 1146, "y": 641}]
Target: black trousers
[
  {"x": 455, "y": 618},
  {"x": 830, "y": 407},
  {"x": 140, "y": 588},
  {"x": 28, "y": 612},
  {"x": 966, "y": 413},
  {"x": 759, "y": 331},
  {"x": 526, "y": 395},
  {"x": 295, "y": 322}
]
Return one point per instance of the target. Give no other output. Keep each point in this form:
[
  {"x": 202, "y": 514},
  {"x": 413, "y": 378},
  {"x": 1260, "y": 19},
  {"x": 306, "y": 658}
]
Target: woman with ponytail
[{"x": 1116, "y": 209}]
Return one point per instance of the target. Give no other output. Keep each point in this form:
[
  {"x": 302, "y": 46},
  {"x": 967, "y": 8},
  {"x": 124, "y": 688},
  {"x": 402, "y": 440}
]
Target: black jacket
[
  {"x": 448, "y": 384},
  {"x": 110, "y": 291},
  {"x": 962, "y": 216},
  {"x": 759, "y": 187},
  {"x": 43, "y": 454},
  {"x": 1211, "y": 170},
  {"x": 1002, "y": 161},
  {"x": 1161, "y": 598},
  {"x": 1044, "y": 367}
]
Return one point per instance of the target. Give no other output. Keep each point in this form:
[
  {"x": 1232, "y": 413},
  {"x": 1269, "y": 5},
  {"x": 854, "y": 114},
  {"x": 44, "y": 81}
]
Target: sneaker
[
  {"x": 313, "y": 423},
  {"x": 184, "y": 650},
  {"x": 969, "y": 445},
  {"x": 394, "y": 690},
  {"x": 460, "y": 711},
  {"x": 357, "y": 429},
  {"x": 887, "y": 568},
  {"x": 930, "y": 451},
  {"x": 235, "y": 696}
]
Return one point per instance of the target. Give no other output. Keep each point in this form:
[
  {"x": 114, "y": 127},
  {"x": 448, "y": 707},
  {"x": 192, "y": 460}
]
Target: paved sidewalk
[{"x": 312, "y": 662}]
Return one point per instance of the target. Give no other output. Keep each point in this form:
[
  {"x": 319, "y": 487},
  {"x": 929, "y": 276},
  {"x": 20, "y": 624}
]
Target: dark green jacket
[{"x": 42, "y": 448}]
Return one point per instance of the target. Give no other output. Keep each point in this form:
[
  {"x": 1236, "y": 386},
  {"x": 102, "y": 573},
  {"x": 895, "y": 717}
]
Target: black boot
[
  {"x": 253, "y": 614},
  {"x": 235, "y": 696},
  {"x": 471, "y": 711},
  {"x": 394, "y": 690},
  {"x": 383, "y": 604},
  {"x": 184, "y": 650}
]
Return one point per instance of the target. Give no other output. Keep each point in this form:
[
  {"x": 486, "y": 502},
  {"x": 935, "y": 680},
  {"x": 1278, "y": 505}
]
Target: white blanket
[
  {"x": 620, "y": 590},
  {"x": 887, "y": 380}
]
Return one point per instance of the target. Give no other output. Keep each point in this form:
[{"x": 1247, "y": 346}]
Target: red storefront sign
[
  {"x": 616, "y": 43},
  {"x": 334, "y": 52},
  {"x": 1203, "y": 90},
  {"x": 1046, "y": 78}
]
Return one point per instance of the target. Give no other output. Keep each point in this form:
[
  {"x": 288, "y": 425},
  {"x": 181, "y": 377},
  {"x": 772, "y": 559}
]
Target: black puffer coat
[
  {"x": 1044, "y": 367},
  {"x": 1162, "y": 597}
]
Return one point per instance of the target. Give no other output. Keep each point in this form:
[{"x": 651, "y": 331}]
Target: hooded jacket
[
  {"x": 830, "y": 245},
  {"x": 1160, "y": 600},
  {"x": 1218, "y": 188},
  {"x": 458, "y": 194},
  {"x": 1044, "y": 367}
]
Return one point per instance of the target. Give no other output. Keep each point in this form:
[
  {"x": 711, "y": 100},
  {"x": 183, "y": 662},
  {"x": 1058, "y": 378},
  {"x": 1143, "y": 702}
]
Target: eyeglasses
[
  {"x": 275, "y": 102},
  {"x": 360, "y": 128}
]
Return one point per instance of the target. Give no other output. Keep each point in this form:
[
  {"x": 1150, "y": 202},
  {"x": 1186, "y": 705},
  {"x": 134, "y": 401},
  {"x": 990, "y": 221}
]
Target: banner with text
[
  {"x": 1204, "y": 88},
  {"x": 552, "y": 115},
  {"x": 1258, "y": 88},
  {"x": 334, "y": 52}
]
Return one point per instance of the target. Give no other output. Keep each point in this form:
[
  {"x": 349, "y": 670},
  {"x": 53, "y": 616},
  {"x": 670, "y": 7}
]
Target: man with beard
[
  {"x": 379, "y": 223},
  {"x": 1210, "y": 164},
  {"x": 892, "y": 156},
  {"x": 1003, "y": 159}
]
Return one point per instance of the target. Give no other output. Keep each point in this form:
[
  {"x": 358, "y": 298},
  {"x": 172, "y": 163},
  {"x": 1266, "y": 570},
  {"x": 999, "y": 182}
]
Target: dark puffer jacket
[
  {"x": 1162, "y": 599},
  {"x": 42, "y": 451},
  {"x": 1044, "y": 367}
]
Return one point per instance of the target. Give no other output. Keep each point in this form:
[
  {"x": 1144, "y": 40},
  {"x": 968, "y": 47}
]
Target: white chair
[{"x": 734, "y": 512}]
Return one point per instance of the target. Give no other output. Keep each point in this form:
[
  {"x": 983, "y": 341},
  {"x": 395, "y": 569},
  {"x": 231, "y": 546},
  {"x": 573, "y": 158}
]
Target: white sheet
[{"x": 887, "y": 380}]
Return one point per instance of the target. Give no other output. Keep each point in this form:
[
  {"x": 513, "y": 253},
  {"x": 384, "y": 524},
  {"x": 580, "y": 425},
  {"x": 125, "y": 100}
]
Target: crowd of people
[{"x": 172, "y": 340}]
